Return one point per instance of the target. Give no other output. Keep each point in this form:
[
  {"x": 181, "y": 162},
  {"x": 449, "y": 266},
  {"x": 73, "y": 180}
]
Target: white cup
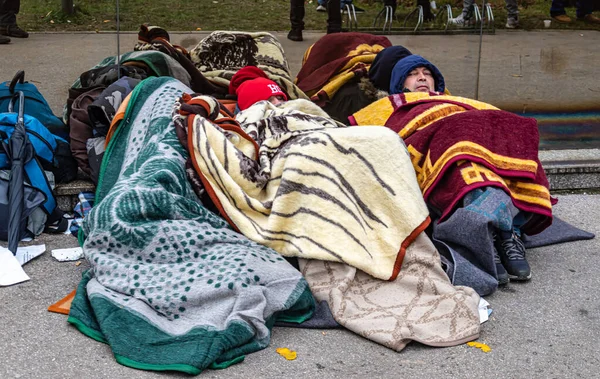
[{"x": 547, "y": 23}]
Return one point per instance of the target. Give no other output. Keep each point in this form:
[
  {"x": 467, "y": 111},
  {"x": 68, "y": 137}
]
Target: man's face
[{"x": 420, "y": 80}]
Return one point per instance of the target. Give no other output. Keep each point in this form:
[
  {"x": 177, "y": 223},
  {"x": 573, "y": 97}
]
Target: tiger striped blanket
[
  {"x": 289, "y": 178},
  {"x": 458, "y": 144},
  {"x": 220, "y": 55}
]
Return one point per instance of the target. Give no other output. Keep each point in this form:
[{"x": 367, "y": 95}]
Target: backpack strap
[{"x": 37, "y": 178}]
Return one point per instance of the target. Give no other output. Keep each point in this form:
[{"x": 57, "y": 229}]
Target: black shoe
[
  {"x": 4, "y": 40},
  {"x": 512, "y": 255},
  {"x": 501, "y": 273},
  {"x": 295, "y": 35},
  {"x": 13, "y": 31}
]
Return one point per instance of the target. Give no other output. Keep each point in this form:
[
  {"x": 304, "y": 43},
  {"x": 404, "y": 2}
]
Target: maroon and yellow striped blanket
[
  {"x": 334, "y": 60},
  {"x": 458, "y": 144}
]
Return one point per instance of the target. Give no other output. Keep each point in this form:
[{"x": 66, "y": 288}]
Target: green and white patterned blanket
[{"x": 172, "y": 286}]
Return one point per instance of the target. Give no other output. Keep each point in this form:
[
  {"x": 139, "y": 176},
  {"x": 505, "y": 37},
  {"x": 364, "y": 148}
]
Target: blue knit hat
[
  {"x": 381, "y": 69},
  {"x": 406, "y": 65}
]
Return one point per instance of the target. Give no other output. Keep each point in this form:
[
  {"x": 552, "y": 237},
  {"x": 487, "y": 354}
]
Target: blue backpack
[
  {"x": 49, "y": 135},
  {"x": 36, "y": 105},
  {"x": 44, "y": 144},
  {"x": 25, "y": 144}
]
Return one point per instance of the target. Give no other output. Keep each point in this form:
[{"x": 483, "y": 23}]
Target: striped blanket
[
  {"x": 458, "y": 144},
  {"x": 220, "y": 55},
  {"x": 171, "y": 285},
  {"x": 289, "y": 178},
  {"x": 334, "y": 60}
]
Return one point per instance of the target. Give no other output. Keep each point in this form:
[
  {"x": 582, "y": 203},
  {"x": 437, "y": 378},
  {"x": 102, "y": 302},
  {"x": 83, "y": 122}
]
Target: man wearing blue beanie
[{"x": 416, "y": 74}]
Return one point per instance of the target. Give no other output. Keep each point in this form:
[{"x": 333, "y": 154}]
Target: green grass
[{"x": 247, "y": 15}]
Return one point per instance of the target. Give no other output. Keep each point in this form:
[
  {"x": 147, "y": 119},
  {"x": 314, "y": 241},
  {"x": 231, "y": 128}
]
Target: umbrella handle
[
  {"x": 19, "y": 77},
  {"x": 21, "y": 96}
]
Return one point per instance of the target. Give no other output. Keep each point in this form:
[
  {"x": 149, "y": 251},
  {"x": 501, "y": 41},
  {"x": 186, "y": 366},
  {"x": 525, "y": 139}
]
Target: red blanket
[{"x": 457, "y": 145}]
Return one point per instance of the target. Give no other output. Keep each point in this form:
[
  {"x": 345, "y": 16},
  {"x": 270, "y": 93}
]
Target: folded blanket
[
  {"x": 419, "y": 305},
  {"x": 220, "y": 55},
  {"x": 287, "y": 177},
  {"x": 171, "y": 286},
  {"x": 334, "y": 60},
  {"x": 457, "y": 145}
]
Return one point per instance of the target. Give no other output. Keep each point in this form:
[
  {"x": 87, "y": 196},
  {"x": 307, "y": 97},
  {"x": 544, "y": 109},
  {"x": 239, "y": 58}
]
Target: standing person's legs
[
  {"x": 584, "y": 11},
  {"x": 512, "y": 9},
  {"x": 8, "y": 19},
  {"x": 557, "y": 8},
  {"x": 467, "y": 4},
  {"x": 8, "y": 12},
  {"x": 296, "y": 19},
  {"x": 584, "y": 7},
  {"x": 334, "y": 17},
  {"x": 512, "y": 14}
]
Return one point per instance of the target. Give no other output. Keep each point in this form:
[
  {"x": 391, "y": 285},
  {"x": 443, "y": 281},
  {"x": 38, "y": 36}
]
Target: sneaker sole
[{"x": 520, "y": 278}]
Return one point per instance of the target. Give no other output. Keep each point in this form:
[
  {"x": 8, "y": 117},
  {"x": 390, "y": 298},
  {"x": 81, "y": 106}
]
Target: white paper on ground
[
  {"x": 484, "y": 311},
  {"x": 27, "y": 253},
  {"x": 11, "y": 271},
  {"x": 65, "y": 255}
]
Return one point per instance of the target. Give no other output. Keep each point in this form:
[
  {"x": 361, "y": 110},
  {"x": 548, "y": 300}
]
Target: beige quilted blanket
[{"x": 420, "y": 305}]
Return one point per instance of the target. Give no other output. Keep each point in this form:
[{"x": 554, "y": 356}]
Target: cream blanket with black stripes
[{"x": 290, "y": 178}]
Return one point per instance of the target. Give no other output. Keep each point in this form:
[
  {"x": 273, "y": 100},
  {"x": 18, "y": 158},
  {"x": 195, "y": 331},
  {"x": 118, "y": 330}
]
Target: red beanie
[
  {"x": 246, "y": 73},
  {"x": 252, "y": 91}
]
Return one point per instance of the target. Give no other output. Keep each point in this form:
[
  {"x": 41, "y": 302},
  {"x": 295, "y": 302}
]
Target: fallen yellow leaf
[
  {"x": 198, "y": 29},
  {"x": 106, "y": 21},
  {"x": 288, "y": 354},
  {"x": 78, "y": 263},
  {"x": 485, "y": 348}
]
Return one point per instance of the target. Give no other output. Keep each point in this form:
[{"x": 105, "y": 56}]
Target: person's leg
[
  {"x": 512, "y": 9},
  {"x": 584, "y": 7},
  {"x": 8, "y": 19},
  {"x": 467, "y": 4},
  {"x": 466, "y": 13},
  {"x": 512, "y": 16},
  {"x": 426, "y": 5},
  {"x": 296, "y": 19},
  {"x": 557, "y": 8},
  {"x": 8, "y": 12},
  {"x": 334, "y": 17}
]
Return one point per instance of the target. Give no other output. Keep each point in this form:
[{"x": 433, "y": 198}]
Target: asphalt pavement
[{"x": 546, "y": 328}]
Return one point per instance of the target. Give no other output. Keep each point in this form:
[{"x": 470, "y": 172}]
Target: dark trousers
[
  {"x": 334, "y": 17},
  {"x": 584, "y": 7},
  {"x": 8, "y": 11}
]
